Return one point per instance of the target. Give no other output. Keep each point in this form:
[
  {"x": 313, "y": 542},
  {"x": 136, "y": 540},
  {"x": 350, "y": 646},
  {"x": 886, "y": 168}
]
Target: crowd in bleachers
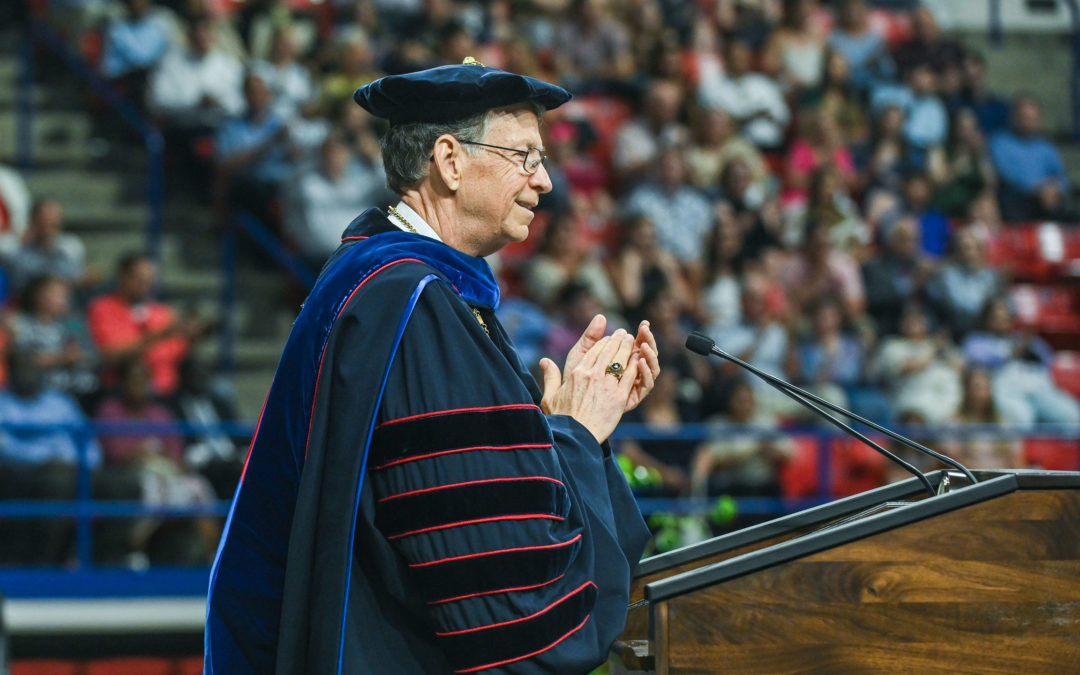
[{"x": 831, "y": 191}]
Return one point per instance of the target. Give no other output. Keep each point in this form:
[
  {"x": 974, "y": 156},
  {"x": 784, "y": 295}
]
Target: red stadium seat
[
  {"x": 606, "y": 114},
  {"x": 1066, "y": 371},
  {"x": 855, "y": 468},
  {"x": 1053, "y": 454},
  {"x": 189, "y": 666},
  {"x": 130, "y": 666},
  {"x": 44, "y": 667},
  {"x": 1051, "y": 310}
]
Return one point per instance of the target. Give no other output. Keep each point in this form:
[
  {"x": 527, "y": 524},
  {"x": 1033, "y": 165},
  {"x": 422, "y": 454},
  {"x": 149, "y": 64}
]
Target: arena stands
[{"x": 866, "y": 198}]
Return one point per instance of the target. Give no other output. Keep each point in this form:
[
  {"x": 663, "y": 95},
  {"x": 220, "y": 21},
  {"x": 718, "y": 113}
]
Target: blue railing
[
  {"x": 97, "y": 580},
  {"x": 40, "y": 34},
  {"x": 245, "y": 222}
]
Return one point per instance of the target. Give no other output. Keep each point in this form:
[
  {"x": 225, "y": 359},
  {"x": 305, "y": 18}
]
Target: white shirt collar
[{"x": 415, "y": 220}]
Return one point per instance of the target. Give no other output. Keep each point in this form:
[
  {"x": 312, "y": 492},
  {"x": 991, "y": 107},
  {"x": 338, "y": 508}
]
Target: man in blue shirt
[{"x": 1033, "y": 183}]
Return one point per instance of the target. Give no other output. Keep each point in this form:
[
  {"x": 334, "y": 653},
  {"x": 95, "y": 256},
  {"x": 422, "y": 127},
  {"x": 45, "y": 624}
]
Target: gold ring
[{"x": 615, "y": 369}]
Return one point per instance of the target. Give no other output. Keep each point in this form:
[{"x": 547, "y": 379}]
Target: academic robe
[{"x": 406, "y": 505}]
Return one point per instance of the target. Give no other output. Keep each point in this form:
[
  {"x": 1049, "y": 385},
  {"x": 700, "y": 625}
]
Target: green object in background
[{"x": 724, "y": 511}]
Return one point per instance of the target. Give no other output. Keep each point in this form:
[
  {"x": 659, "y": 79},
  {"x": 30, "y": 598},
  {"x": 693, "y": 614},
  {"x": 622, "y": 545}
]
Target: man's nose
[{"x": 540, "y": 181}]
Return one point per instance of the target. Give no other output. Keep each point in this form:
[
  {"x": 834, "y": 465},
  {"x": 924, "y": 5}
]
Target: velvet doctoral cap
[{"x": 450, "y": 93}]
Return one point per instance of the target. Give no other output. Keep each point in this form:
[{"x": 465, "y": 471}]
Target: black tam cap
[{"x": 450, "y": 93}]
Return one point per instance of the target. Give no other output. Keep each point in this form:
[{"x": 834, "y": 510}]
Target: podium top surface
[{"x": 835, "y": 530}]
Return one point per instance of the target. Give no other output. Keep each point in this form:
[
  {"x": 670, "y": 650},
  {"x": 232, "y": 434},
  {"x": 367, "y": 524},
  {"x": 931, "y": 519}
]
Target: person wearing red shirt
[{"x": 128, "y": 322}]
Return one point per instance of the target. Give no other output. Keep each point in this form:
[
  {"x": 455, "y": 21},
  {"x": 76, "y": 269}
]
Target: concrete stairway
[{"x": 102, "y": 187}]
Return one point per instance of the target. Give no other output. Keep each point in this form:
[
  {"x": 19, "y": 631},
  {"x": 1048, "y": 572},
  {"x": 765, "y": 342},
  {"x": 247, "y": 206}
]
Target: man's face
[
  {"x": 138, "y": 281},
  {"x": 496, "y": 198},
  {"x": 1027, "y": 118}
]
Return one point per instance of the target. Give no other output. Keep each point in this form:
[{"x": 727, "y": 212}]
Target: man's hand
[
  {"x": 589, "y": 393},
  {"x": 648, "y": 358}
]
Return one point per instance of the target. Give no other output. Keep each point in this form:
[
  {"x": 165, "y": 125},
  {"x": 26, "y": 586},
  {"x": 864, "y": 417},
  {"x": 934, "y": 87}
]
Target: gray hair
[{"x": 406, "y": 148}]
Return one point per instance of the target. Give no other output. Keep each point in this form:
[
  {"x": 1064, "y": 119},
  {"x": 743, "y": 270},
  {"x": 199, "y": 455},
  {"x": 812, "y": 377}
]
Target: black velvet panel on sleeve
[
  {"x": 499, "y": 644},
  {"x": 471, "y": 502}
]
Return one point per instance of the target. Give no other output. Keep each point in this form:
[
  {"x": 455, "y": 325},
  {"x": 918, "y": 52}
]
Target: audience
[{"x": 725, "y": 166}]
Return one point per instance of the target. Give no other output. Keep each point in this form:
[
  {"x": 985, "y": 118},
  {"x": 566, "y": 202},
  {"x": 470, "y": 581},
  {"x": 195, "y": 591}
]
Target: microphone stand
[{"x": 701, "y": 344}]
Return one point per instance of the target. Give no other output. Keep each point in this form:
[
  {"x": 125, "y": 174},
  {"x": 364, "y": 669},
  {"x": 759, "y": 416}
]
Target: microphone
[{"x": 698, "y": 343}]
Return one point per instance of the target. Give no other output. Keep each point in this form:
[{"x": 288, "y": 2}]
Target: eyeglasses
[{"x": 533, "y": 157}]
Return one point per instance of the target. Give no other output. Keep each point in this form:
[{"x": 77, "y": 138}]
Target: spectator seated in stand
[
  {"x": 194, "y": 89},
  {"x": 820, "y": 270},
  {"x": 919, "y": 370},
  {"x": 991, "y": 110},
  {"x": 897, "y": 275},
  {"x": 721, "y": 295},
  {"x": 252, "y": 153},
  {"x": 829, "y": 361},
  {"x": 716, "y": 144},
  {"x": 927, "y": 46},
  {"x": 353, "y": 67},
  {"x": 862, "y": 47},
  {"x": 40, "y": 431},
  {"x": 933, "y": 226},
  {"x": 133, "y": 46},
  {"x": 753, "y": 99},
  {"x": 964, "y": 285},
  {"x": 968, "y": 170},
  {"x": 45, "y": 249},
  {"x": 1033, "y": 181},
  {"x": 563, "y": 257},
  {"x": 927, "y": 121},
  {"x": 156, "y": 462},
  {"x": 987, "y": 450},
  {"x": 594, "y": 47},
  {"x": 321, "y": 201},
  {"x": 681, "y": 214},
  {"x": 761, "y": 339},
  {"x": 795, "y": 53},
  {"x": 640, "y": 140},
  {"x": 47, "y": 331},
  {"x": 290, "y": 83},
  {"x": 1019, "y": 363},
  {"x": 742, "y": 464},
  {"x": 129, "y": 323},
  {"x": 206, "y": 400}
]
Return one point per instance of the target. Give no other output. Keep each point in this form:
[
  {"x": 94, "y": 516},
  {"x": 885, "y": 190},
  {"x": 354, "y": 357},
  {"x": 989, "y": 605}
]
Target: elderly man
[{"x": 413, "y": 501}]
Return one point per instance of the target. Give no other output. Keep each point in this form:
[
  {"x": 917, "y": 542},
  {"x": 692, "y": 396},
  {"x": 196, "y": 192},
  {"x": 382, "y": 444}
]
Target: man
[
  {"x": 751, "y": 98},
  {"x": 197, "y": 88},
  {"x": 129, "y": 323},
  {"x": 412, "y": 501},
  {"x": 1033, "y": 181},
  {"x": 46, "y": 249}
]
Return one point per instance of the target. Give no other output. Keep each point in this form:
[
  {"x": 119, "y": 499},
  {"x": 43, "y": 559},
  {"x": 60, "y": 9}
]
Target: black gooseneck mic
[{"x": 696, "y": 342}]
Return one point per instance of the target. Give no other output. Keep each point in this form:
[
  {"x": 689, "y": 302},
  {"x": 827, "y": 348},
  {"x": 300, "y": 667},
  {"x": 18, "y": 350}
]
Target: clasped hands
[{"x": 587, "y": 391}]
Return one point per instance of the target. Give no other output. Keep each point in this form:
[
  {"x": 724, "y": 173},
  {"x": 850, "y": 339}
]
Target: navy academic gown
[{"x": 406, "y": 506}]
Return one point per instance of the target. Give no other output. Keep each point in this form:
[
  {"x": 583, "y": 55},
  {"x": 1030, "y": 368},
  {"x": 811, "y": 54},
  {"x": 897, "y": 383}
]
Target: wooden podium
[{"x": 980, "y": 578}]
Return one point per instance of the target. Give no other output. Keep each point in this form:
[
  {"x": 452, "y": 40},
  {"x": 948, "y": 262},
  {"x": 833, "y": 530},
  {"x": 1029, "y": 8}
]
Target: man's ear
[{"x": 447, "y": 160}]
